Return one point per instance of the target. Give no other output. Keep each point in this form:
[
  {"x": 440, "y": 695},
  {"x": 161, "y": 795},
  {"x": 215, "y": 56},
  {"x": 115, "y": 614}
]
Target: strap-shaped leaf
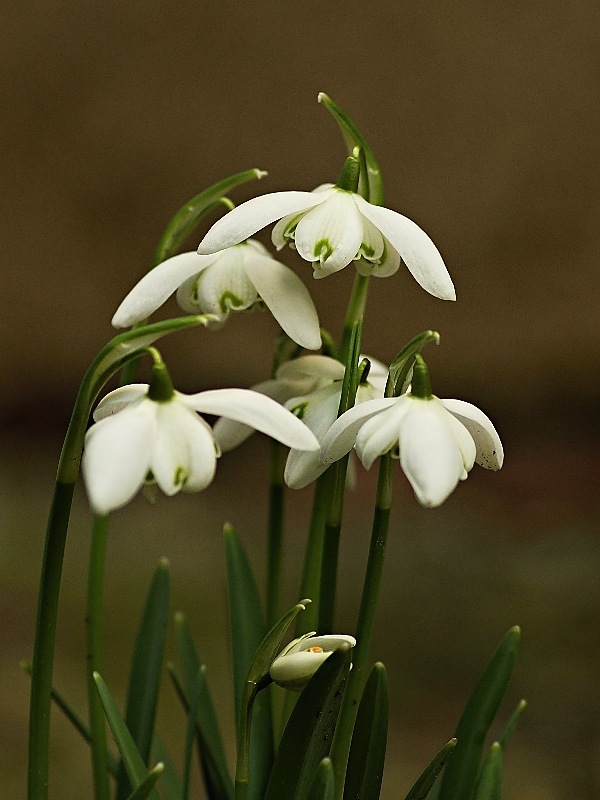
[
  {"x": 364, "y": 773},
  {"x": 133, "y": 762},
  {"x": 170, "y": 783},
  {"x": 323, "y": 787},
  {"x": 219, "y": 785},
  {"x": 144, "y": 790},
  {"x": 512, "y": 723},
  {"x": 424, "y": 783},
  {"x": 190, "y": 214},
  {"x": 460, "y": 775},
  {"x": 490, "y": 783},
  {"x": 370, "y": 185},
  {"x": 309, "y": 732},
  {"x": 146, "y": 669}
]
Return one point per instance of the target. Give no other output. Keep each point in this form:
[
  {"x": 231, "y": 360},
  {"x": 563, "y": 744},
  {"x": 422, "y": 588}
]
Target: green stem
[
  {"x": 354, "y": 312},
  {"x": 99, "y": 750},
  {"x": 45, "y": 637},
  {"x": 366, "y": 622},
  {"x": 331, "y": 541},
  {"x": 275, "y": 532}
]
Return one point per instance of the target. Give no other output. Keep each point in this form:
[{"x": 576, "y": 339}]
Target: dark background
[{"x": 485, "y": 121}]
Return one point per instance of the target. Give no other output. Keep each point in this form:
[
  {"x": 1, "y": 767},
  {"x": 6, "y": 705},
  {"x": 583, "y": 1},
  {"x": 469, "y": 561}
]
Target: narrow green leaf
[
  {"x": 401, "y": 367},
  {"x": 146, "y": 669},
  {"x": 458, "y": 782},
  {"x": 144, "y": 790},
  {"x": 195, "y": 700},
  {"x": 219, "y": 785},
  {"x": 190, "y": 214},
  {"x": 323, "y": 786},
  {"x": 132, "y": 760},
  {"x": 364, "y": 773},
  {"x": 371, "y": 184},
  {"x": 170, "y": 783},
  {"x": 309, "y": 732},
  {"x": 206, "y": 717},
  {"x": 490, "y": 783},
  {"x": 424, "y": 783},
  {"x": 512, "y": 723}
]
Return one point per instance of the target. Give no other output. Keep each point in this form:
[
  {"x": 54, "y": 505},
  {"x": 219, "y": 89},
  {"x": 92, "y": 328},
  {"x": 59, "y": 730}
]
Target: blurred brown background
[{"x": 485, "y": 119}]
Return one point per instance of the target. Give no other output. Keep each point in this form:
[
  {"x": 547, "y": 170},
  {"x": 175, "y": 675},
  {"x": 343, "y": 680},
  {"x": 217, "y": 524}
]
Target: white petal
[
  {"x": 170, "y": 460},
  {"x": 256, "y": 410},
  {"x": 116, "y": 457},
  {"x": 389, "y": 262},
  {"x": 304, "y": 468},
  {"x": 202, "y": 455},
  {"x": 287, "y": 298},
  {"x": 416, "y": 249},
  {"x": 341, "y": 437},
  {"x": 372, "y": 246},
  {"x": 229, "y": 434},
  {"x": 490, "y": 453},
  {"x": 464, "y": 440},
  {"x": 252, "y": 216},
  {"x": 379, "y": 434},
  {"x": 315, "y": 366},
  {"x": 429, "y": 455},
  {"x": 224, "y": 285},
  {"x": 119, "y": 399},
  {"x": 330, "y": 234},
  {"x": 157, "y": 286}
]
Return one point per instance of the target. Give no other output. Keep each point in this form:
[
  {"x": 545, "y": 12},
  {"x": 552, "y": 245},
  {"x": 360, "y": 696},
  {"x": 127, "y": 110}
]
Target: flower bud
[{"x": 298, "y": 662}]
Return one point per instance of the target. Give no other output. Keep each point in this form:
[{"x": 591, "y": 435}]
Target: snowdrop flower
[
  {"x": 311, "y": 387},
  {"x": 331, "y": 227},
  {"x": 235, "y": 278},
  {"x": 438, "y": 441},
  {"x": 137, "y": 435},
  {"x": 298, "y": 662}
]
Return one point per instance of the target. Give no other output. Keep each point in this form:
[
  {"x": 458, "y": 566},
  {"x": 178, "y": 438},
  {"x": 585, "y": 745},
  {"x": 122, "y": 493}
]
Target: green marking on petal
[
  {"x": 322, "y": 250},
  {"x": 181, "y": 477},
  {"x": 229, "y": 300},
  {"x": 367, "y": 251},
  {"x": 300, "y": 409}
]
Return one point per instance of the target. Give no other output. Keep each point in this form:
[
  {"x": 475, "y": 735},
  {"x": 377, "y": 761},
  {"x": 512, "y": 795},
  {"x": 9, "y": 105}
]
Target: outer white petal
[
  {"x": 417, "y": 250},
  {"x": 341, "y": 437},
  {"x": 229, "y": 434},
  {"x": 116, "y": 457},
  {"x": 315, "y": 366},
  {"x": 464, "y": 440},
  {"x": 256, "y": 410},
  {"x": 379, "y": 434},
  {"x": 244, "y": 220},
  {"x": 157, "y": 286},
  {"x": 429, "y": 455},
  {"x": 119, "y": 399},
  {"x": 286, "y": 297},
  {"x": 490, "y": 453},
  {"x": 335, "y": 225}
]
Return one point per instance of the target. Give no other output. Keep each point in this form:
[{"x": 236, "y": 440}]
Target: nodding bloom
[
  {"x": 136, "y": 438},
  {"x": 298, "y": 662},
  {"x": 330, "y": 227},
  {"x": 233, "y": 279},
  {"x": 311, "y": 387},
  {"x": 437, "y": 441}
]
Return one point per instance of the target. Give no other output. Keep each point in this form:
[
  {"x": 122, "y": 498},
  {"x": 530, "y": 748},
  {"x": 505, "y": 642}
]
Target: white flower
[
  {"x": 298, "y": 662},
  {"x": 311, "y": 387},
  {"x": 135, "y": 436},
  {"x": 438, "y": 440},
  {"x": 331, "y": 227},
  {"x": 235, "y": 278}
]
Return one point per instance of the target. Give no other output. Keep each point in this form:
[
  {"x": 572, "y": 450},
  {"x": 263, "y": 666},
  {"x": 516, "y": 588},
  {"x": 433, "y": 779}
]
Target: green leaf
[
  {"x": 215, "y": 769},
  {"x": 219, "y": 785},
  {"x": 132, "y": 760},
  {"x": 371, "y": 184},
  {"x": 401, "y": 367},
  {"x": 458, "y": 782},
  {"x": 364, "y": 773},
  {"x": 196, "y": 698},
  {"x": 309, "y": 732},
  {"x": 425, "y": 781},
  {"x": 146, "y": 669},
  {"x": 490, "y": 783},
  {"x": 323, "y": 786},
  {"x": 190, "y": 214},
  {"x": 170, "y": 780},
  {"x": 144, "y": 790},
  {"x": 512, "y": 723}
]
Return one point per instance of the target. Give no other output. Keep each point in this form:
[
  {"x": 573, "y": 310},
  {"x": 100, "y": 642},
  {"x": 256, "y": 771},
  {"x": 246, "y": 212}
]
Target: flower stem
[
  {"x": 354, "y": 312},
  {"x": 275, "y": 532},
  {"x": 366, "y": 621},
  {"x": 94, "y": 657}
]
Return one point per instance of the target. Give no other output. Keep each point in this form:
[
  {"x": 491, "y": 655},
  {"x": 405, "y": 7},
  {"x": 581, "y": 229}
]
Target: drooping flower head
[
  {"x": 333, "y": 226},
  {"x": 233, "y": 279},
  {"x": 143, "y": 432},
  {"x": 437, "y": 441}
]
